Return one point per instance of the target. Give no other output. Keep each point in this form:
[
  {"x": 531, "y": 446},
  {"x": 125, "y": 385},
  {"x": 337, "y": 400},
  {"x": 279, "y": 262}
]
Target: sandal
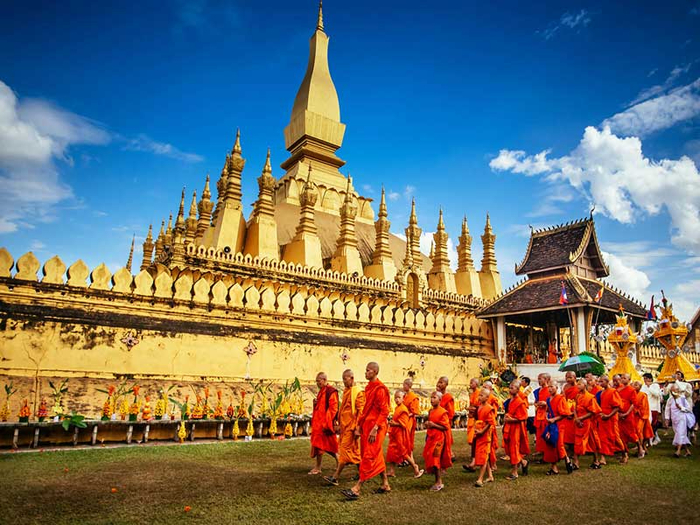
[
  {"x": 468, "y": 468},
  {"x": 478, "y": 484},
  {"x": 420, "y": 473},
  {"x": 526, "y": 468},
  {"x": 350, "y": 495},
  {"x": 511, "y": 477},
  {"x": 382, "y": 490},
  {"x": 569, "y": 466},
  {"x": 330, "y": 480},
  {"x": 551, "y": 472},
  {"x": 437, "y": 488}
]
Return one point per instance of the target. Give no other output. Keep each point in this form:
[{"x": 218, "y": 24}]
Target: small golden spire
[
  {"x": 268, "y": 167},
  {"x": 465, "y": 227},
  {"x": 162, "y": 229},
  {"x": 206, "y": 194},
  {"x": 413, "y": 219},
  {"x": 131, "y": 253},
  {"x": 319, "y": 23},
  {"x": 432, "y": 250},
  {"x": 147, "y": 249},
  {"x": 237, "y": 145},
  {"x": 193, "y": 205},
  {"x": 382, "y": 205},
  {"x": 180, "y": 220},
  {"x": 149, "y": 237},
  {"x": 441, "y": 222},
  {"x": 487, "y": 228}
]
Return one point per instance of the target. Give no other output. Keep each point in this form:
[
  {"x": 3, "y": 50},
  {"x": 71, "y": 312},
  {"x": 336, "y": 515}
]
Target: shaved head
[
  {"x": 322, "y": 375},
  {"x": 372, "y": 371},
  {"x": 348, "y": 373},
  {"x": 408, "y": 381},
  {"x": 373, "y": 365},
  {"x": 446, "y": 381}
]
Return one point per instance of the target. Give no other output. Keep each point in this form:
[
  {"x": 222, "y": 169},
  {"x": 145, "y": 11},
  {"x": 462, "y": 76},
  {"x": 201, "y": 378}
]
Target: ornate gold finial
[
  {"x": 464, "y": 249},
  {"x": 131, "y": 252},
  {"x": 413, "y": 219},
  {"x": 180, "y": 220},
  {"x": 465, "y": 226},
  {"x": 206, "y": 194},
  {"x": 147, "y": 249},
  {"x": 268, "y": 167},
  {"x": 488, "y": 223},
  {"x": 382, "y": 205},
  {"x": 441, "y": 222},
  {"x": 432, "y": 250},
  {"x": 488, "y": 262},
  {"x": 193, "y": 205},
  {"x": 319, "y": 23},
  {"x": 237, "y": 145},
  {"x": 309, "y": 195}
]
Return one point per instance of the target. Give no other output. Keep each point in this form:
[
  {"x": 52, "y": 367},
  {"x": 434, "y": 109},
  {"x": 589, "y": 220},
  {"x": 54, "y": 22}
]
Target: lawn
[{"x": 266, "y": 482}]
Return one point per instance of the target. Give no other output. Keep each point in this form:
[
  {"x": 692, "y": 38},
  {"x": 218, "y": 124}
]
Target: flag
[
  {"x": 651, "y": 314},
  {"x": 599, "y": 295},
  {"x": 563, "y": 299}
]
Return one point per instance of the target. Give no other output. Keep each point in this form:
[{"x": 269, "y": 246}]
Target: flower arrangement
[
  {"x": 205, "y": 407},
  {"x": 135, "y": 405},
  {"x": 197, "y": 409},
  {"x": 161, "y": 405},
  {"x": 288, "y": 431},
  {"x": 24, "y": 412},
  {"x": 5, "y": 410},
  {"x": 108, "y": 407},
  {"x": 124, "y": 409},
  {"x": 57, "y": 394},
  {"x": 230, "y": 412},
  {"x": 273, "y": 425},
  {"x": 241, "y": 410},
  {"x": 114, "y": 400},
  {"x": 146, "y": 411},
  {"x": 42, "y": 411},
  {"x": 219, "y": 411},
  {"x": 236, "y": 429},
  {"x": 182, "y": 432}
]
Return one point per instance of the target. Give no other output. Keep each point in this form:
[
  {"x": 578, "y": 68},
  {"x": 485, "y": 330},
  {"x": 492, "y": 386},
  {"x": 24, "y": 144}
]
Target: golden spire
[
  {"x": 191, "y": 222},
  {"x": 464, "y": 249},
  {"x": 414, "y": 233},
  {"x": 204, "y": 207},
  {"x": 488, "y": 262},
  {"x": 234, "y": 167},
  {"x": 180, "y": 221},
  {"x": 236, "y": 150},
  {"x": 319, "y": 23},
  {"x": 266, "y": 185},
  {"x": 408, "y": 255},
  {"x": 440, "y": 258},
  {"x": 346, "y": 257},
  {"x": 160, "y": 241},
  {"x": 432, "y": 250},
  {"x": 413, "y": 219},
  {"x": 261, "y": 237},
  {"x": 206, "y": 194},
  {"x": 383, "y": 266},
  {"x": 168, "y": 237},
  {"x": 147, "y": 249},
  {"x": 131, "y": 253},
  {"x": 382, "y": 205}
]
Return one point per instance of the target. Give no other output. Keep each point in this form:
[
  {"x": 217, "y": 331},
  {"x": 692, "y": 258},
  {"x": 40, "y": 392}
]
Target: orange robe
[
  {"x": 350, "y": 409},
  {"x": 540, "y": 418},
  {"x": 323, "y": 438},
  {"x": 448, "y": 403},
  {"x": 496, "y": 404},
  {"x": 515, "y": 440},
  {"x": 399, "y": 448},
  {"x": 473, "y": 408},
  {"x": 375, "y": 412},
  {"x": 608, "y": 430},
  {"x": 413, "y": 404},
  {"x": 642, "y": 411},
  {"x": 437, "y": 453},
  {"x": 628, "y": 425},
  {"x": 485, "y": 415},
  {"x": 584, "y": 440},
  {"x": 566, "y": 426},
  {"x": 553, "y": 453}
]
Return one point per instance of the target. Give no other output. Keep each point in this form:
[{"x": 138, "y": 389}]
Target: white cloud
[
  {"x": 628, "y": 278},
  {"x": 658, "y": 113},
  {"x": 394, "y": 196},
  {"x": 613, "y": 173},
  {"x": 658, "y": 89},
  {"x": 144, "y": 143},
  {"x": 567, "y": 20},
  {"x": 550, "y": 202},
  {"x": 685, "y": 297}
]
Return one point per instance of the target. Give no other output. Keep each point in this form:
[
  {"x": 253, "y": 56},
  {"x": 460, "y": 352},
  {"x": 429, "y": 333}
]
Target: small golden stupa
[
  {"x": 671, "y": 333},
  {"x": 623, "y": 340}
]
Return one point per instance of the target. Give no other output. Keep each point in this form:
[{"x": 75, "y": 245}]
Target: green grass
[{"x": 266, "y": 482}]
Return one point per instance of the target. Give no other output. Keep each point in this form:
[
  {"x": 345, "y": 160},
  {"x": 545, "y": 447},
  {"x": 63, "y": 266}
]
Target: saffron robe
[
  {"x": 473, "y": 408},
  {"x": 375, "y": 412},
  {"x": 553, "y": 453},
  {"x": 448, "y": 403},
  {"x": 437, "y": 453},
  {"x": 584, "y": 440},
  {"x": 566, "y": 426},
  {"x": 642, "y": 412},
  {"x": 413, "y": 404},
  {"x": 541, "y": 395},
  {"x": 350, "y": 409},
  {"x": 628, "y": 425},
  {"x": 399, "y": 448},
  {"x": 515, "y": 440},
  {"x": 495, "y": 403},
  {"x": 608, "y": 431},
  {"x": 323, "y": 438},
  {"x": 485, "y": 415}
]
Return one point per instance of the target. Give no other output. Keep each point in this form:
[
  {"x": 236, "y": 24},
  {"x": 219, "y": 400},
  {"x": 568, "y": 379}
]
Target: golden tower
[
  {"x": 489, "y": 278},
  {"x": 383, "y": 266},
  {"x": 261, "y": 239},
  {"x": 466, "y": 277},
  {"x": 441, "y": 276}
]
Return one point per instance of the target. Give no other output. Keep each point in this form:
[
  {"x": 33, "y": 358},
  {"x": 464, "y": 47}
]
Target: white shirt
[
  {"x": 685, "y": 389},
  {"x": 653, "y": 393},
  {"x": 530, "y": 401}
]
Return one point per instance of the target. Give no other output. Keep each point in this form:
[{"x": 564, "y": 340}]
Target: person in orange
[
  {"x": 566, "y": 425},
  {"x": 552, "y": 354},
  {"x": 372, "y": 428},
  {"x": 471, "y": 419},
  {"x": 515, "y": 439},
  {"x": 413, "y": 404},
  {"x": 592, "y": 383},
  {"x": 586, "y": 408},
  {"x": 485, "y": 420},
  {"x": 643, "y": 413},
  {"x": 437, "y": 453},
  {"x": 608, "y": 431},
  {"x": 628, "y": 420},
  {"x": 557, "y": 410},
  {"x": 323, "y": 421},
  {"x": 541, "y": 396},
  {"x": 495, "y": 403},
  {"x": 448, "y": 403},
  {"x": 399, "y": 449},
  {"x": 350, "y": 409}
]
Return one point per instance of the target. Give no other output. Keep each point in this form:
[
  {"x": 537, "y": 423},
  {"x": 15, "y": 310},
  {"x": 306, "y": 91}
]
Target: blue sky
[{"x": 107, "y": 109}]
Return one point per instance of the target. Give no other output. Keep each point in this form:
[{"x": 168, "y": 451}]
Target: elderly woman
[{"x": 679, "y": 413}]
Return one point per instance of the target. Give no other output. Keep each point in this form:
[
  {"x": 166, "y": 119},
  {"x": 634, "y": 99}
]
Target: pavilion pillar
[
  {"x": 500, "y": 338},
  {"x": 581, "y": 332}
]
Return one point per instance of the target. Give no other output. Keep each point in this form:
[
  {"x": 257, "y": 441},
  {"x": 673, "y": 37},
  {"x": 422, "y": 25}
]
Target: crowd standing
[{"x": 601, "y": 417}]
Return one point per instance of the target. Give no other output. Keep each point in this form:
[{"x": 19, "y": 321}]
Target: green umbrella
[{"x": 579, "y": 363}]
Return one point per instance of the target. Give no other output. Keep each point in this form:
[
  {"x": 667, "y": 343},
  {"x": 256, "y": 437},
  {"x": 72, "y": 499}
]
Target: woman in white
[
  {"x": 654, "y": 394},
  {"x": 680, "y": 415}
]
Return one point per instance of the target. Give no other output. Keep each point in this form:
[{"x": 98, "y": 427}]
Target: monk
[
  {"x": 471, "y": 419},
  {"x": 567, "y": 425},
  {"x": 495, "y": 403},
  {"x": 413, "y": 404},
  {"x": 557, "y": 410},
  {"x": 643, "y": 414},
  {"x": 628, "y": 420},
  {"x": 448, "y": 403},
  {"x": 437, "y": 453},
  {"x": 541, "y": 396},
  {"x": 592, "y": 383},
  {"x": 586, "y": 408},
  {"x": 608, "y": 430},
  {"x": 399, "y": 447},
  {"x": 485, "y": 420},
  {"x": 372, "y": 428},
  {"x": 515, "y": 439},
  {"x": 323, "y": 420},
  {"x": 350, "y": 409}
]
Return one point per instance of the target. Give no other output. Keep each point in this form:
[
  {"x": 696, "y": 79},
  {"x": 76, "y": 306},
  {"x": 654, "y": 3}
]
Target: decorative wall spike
[
  {"x": 78, "y": 273},
  {"x": 183, "y": 287},
  {"x": 200, "y": 291},
  {"x": 122, "y": 280},
  {"x": 54, "y": 271},
  {"x": 100, "y": 278},
  {"x": 164, "y": 285},
  {"x": 27, "y": 267},
  {"x": 219, "y": 292},
  {"x": 143, "y": 284},
  {"x": 6, "y": 263}
]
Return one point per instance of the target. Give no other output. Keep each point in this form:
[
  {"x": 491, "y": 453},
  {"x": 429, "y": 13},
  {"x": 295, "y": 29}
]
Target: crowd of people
[{"x": 598, "y": 416}]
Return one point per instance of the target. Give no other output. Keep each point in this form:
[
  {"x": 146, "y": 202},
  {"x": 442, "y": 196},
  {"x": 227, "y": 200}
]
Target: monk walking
[
  {"x": 350, "y": 409},
  {"x": 399, "y": 449},
  {"x": 643, "y": 414},
  {"x": 437, "y": 453},
  {"x": 554, "y": 451},
  {"x": 323, "y": 421},
  {"x": 628, "y": 420},
  {"x": 515, "y": 439},
  {"x": 412, "y": 402},
  {"x": 448, "y": 403},
  {"x": 372, "y": 428},
  {"x": 586, "y": 408},
  {"x": 608, "y": 430},
  {"x": 485, "y": 420},
  {"x": 541, "y": 396},
  {"x": 471, "y": 419}
]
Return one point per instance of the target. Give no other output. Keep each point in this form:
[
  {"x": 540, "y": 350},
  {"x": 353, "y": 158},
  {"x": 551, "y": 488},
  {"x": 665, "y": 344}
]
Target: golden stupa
[
  {"x": 623, "y": 340},
  {"x": 671, "y": 333}
]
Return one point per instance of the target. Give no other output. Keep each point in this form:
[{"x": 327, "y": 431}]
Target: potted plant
[
  {"x": 57, "y": 392},
  {"x": 43, "y": 411},
  {"x": 135, "y": 406},
  {"x": 24, "y": 412},
  {"x": 5, "y": 410}
]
